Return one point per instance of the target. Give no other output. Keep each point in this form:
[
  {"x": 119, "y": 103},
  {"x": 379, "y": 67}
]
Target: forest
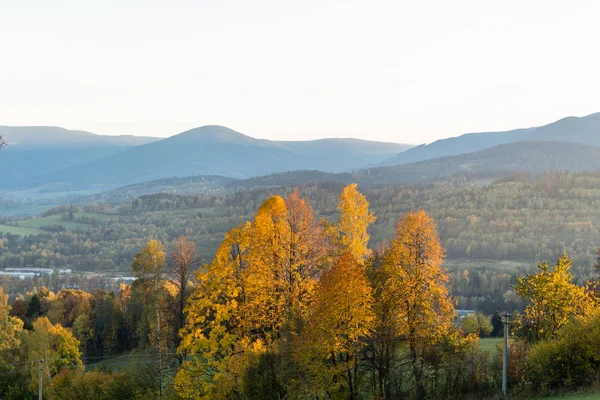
[
  {"x": 297, "y": 306},
  {"x": 492, "y": 230}
]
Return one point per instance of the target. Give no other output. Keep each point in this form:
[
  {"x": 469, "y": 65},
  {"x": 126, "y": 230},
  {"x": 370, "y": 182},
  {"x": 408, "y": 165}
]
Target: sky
[{"x": 401, "y": 71}]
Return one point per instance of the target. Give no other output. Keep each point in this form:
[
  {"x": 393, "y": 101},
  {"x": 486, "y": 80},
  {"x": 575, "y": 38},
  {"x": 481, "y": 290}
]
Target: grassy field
[
  {"x": 37, "y": 225},
  {"x": 118, "y": 363},
  {"x": 578, "y": 396},
  {"x": 19, "y": 230},
  {"x": 490, "y": 344},
  {"x": 52, "y": 220},
  {"x": 25, "y": 209}
]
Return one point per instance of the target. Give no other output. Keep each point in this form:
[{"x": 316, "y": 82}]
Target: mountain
[
  {"x": 535, "y": 157},
  {"x": 498, "y": 161},
  {"x": 37, "y": 150},
  {"x": 217, "y": 150},
  {"x": 19, "y": 137},
  {"x": 582, "y": 130},
  {"x": 485, "y": 165}
]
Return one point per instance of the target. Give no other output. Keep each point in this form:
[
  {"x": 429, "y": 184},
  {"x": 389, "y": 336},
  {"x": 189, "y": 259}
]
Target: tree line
[{"x": 296, "y": 306}]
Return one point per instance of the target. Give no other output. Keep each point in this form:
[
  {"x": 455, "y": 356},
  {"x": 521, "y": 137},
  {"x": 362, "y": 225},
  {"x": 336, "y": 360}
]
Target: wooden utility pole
[
  {"x": 41, "y": 379},
  {"x": 506, "y": 321}
]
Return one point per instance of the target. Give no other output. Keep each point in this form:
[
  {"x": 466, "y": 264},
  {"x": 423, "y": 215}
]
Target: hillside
[
  {"x": 582, "y": 130},
  {"x": 203, "y": 184},
  {"x": 216, "y": 150},
  {"x": 514, "y": 219}
]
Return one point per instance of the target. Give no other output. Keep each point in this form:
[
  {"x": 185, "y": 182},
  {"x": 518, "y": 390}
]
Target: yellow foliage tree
[
  {"x": 341, "y": 322},
  {"x": 553, "y": 299},
  {"x": 10, "y": 327},
  {"x": 53, "y": 343},
  {"x": 415, "y": 287},
  {"x": 214, "y": 337},
  {"x": 148, "y": 266},
  {"x": 251, "y": 298},
  {"x": 355, "y": 218}
]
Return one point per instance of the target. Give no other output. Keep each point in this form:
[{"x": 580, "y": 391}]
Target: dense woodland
[
  {"x": 294, "y": 306},
  {"x": 492, "y": 231}
]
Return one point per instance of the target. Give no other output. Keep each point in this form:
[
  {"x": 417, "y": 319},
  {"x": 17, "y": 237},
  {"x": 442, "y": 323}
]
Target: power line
[{"x": 91, "y": 358}]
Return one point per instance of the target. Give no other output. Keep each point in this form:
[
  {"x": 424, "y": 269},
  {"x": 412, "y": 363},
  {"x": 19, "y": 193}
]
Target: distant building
[{"x": 460, "y": 314}]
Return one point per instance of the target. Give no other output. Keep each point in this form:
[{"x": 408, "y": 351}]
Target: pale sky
[{"x": 403, "y": 71}]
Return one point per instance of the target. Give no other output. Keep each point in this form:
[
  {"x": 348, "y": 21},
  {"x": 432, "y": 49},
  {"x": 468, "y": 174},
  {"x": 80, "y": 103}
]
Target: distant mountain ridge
[
  {"x": 581, "y": 130},
  {"x": 19, "y": 137},
  {"x": 107, "y": 162},
  {"x": 494, "y": 163},
  {"x": 33, "y": 151}
]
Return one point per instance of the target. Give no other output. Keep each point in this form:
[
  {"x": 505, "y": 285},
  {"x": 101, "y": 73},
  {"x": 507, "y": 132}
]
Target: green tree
[
  {"x": 477, "y": 324},
  {"x": 52, "y": 343},
  {"x": 552, "y": 299}
]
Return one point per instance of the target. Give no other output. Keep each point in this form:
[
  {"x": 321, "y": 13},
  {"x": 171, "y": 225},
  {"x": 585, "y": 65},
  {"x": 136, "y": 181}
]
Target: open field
[
  {"x": 579, "y": 396},
  {"x": 39, "y": 225},
  {"x": 121, "y": 362},
  {"x": 52, "y": 220},
  {"x": 19, "y": 230},
  {"x": 490, "y": 344}
]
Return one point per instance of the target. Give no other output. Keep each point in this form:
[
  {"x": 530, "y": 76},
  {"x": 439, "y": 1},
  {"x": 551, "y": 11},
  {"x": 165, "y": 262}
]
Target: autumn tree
[
  {"x": 184, "y": 260},
  {"x": 214, "y": 338},
  {"x": 340, "y": 323},
  {"x": 381, "y": 352},
  {"x": 53, "y": 343},
  {"x": 304, "y": 256},
  {"x": 10, "y": 328},
  {"x": 355, "y": 218},
  {"x": 415, "y": 288},
  {"x": 148, "y": 267},
  {"x": 264, "y": 276},
  {"x": 553, "y": 299}
]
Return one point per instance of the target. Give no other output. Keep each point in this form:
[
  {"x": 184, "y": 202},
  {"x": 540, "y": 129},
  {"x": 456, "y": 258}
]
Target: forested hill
[
  {"x": 513, "y": 219},
  {"x": 502, "y": 160},
  {"x": 217, "y": 150},
  {"x": 582, "y": 130},
  {"x": 507, "y": 158},
  {"x": 494, "y": 163}
]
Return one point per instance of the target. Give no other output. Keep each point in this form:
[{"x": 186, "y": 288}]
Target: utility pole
[
  {"x": 41, "y": 378},
  {"x": 506, "y": 321}
]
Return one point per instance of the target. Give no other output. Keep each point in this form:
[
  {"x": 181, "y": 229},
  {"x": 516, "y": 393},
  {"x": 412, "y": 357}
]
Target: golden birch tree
[
  {"x": 553, "y": 299},
  {"x": 355, "y": 218},
  {"x": 214, "y": 337},
  {"x": 416, "y": 284},
  {"x": 337, "y": 329}
]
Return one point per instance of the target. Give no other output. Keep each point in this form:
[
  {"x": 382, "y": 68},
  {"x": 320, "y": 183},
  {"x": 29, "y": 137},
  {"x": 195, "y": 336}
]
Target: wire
[{"x": 92, "y": 358}]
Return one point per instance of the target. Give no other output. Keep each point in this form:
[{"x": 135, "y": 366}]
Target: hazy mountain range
[
  {"x": 219, "y": 157},
  {"x": 38, "y": 156},
  {"x": 582, "y": 130}
]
